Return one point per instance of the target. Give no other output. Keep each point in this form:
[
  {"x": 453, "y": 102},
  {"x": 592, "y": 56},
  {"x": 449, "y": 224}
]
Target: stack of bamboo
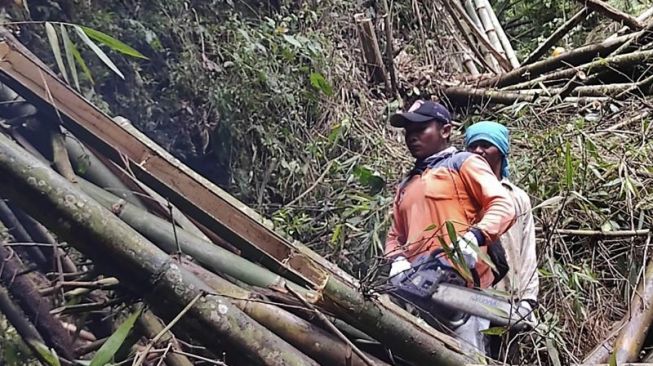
[
  {"x": 101, "y": 219},
  {"x": 614, "y": 69}
]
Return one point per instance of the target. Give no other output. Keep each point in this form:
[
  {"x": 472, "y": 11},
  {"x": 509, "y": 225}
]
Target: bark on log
[
  {"x": 17, "y": 318},
  {"x": 101, "y": 236},
  {"x": 577, "y": 56},
  {"x": 315, "y": 342},
  {"x": 34, "y": 305},
  {"x": 161, "y": 233},
  {"x": 613, "y": 13},
  {"x": 557, "y": 35}
]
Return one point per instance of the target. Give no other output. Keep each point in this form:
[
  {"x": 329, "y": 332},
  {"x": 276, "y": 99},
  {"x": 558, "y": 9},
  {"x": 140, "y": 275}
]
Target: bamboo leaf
[
  {"x": 46, "y": 354},
  {"x": 80, "y": 61},
  {"x": 569, "y": 169},
  {"x": 56, "y": 50},
  {"x": 105, "y": 354},
  {"x": 103, "y": 56},
  {"x": 498, "y": 331},
  {"x": 430, "y": 227},
  {"x": 70, "y": 58},
  {"x": 112, "y": 43},
  {"x": 319, "y": 82},
  {"x": 549, "y": 202},
  {"x": 613, "y": 359}
]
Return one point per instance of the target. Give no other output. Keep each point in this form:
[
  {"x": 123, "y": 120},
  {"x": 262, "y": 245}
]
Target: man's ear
[{"x": 445, "y": 131}]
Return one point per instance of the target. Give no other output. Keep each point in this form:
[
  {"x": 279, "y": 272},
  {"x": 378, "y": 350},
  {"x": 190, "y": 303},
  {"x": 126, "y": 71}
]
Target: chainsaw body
[{"x": 441, "y": 295}]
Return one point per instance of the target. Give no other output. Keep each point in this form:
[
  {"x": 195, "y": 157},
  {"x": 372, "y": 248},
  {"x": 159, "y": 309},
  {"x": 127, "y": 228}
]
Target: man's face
[
  {"x": 427, "y": 138},
  {"x": 490, "y": 152}
]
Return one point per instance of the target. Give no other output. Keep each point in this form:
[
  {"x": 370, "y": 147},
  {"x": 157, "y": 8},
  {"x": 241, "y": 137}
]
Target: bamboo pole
[
  {"x": 557, "y": 35},
  {"x": 577, "y": 56},
  {"x": 503, "y": 38},
  {"x": 612, "y": 62},
  {"x": 470, "y": 10},
  {"x": 171, "y": 240},
  {"x": 481, "y": 36},
  {"x": 613, "y": 13},
  {"x": 18, "y": 232},
  {"x": 104, "y": 238},
  {"x": 490, "y": 31},
  {"x": 36, "y": 307},
  {"x": 151, "y": 327},
  {"x": 632, "y": 336},
  {"x": 389, "y": 51},
  {"x": 473, "y": 46},
  {"x": 315, "y": 342}
]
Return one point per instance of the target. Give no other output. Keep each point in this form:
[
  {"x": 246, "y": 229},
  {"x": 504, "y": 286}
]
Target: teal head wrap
[{"x": 494, "y": 133}]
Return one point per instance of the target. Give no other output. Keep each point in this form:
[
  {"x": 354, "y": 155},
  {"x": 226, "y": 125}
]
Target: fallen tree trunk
[
  {"x": 464, "y": 96},
  {"x": 577, "y": 56},
  {"x": 101, "y": 236},
  {"x": 613, "y": 13}
]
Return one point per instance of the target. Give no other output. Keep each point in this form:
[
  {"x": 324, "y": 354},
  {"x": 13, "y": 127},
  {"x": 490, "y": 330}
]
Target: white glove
[
  {"x": 399, "y": 265},
  {"x": 465, "y": 243}
]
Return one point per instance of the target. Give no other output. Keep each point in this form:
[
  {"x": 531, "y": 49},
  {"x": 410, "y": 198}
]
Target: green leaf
[
  {"x": 319, "y": 82},
  {"x": 451, "y": 231},
  {"x": 105, "y": 354},
  {"x": 369, "y": 178},
  {"x": 70, "y": 59},
  {"x": 80, "y": 61},
  {"x": 112, "y": 43},
  {"x": 613, "y": 359},
  {"x": 431, "y": 227},
  {"x": 103, "y": 56},
  {"x": 292, "y": 40},
  {"x": 569, "y": 169},
  {"x": 54, "y": 44},
  {"x": 497, "y": 331},
  {"x": 46, "y": 354}
]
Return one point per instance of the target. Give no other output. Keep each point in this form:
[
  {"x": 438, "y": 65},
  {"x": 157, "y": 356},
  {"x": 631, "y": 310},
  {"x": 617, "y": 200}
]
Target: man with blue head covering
[{"x": 491, "y": 141}]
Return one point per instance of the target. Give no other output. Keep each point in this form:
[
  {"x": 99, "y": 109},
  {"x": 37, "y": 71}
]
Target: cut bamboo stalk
[
  {"x": 577, "y": 56},
  {"x": 488, "y": 26},
  {"x": 496, "y": 34},
  {"x": 557, "y": 35},
  {"x": 631, "y": 337},
  {"x": 613, "y": 13},
  {"x": 100, "y": 235},
  {"x": 315, "y": 342},
  {"x": 18, "y": 232},
  {"x": 470, "y": 11},
  {"x": 151, "y": 327},
  {"x": 37, "y": 308},
  {"x": 503, "y": 38},
  {"x": 465, "y": 96},
  {"x": 643, "y": 17},
  {"x": 371, "y": 51},
  {"x": 612, "y": 62},
  {"x": 481, "y": 36},
  {"x": 473, "y": 46},
  {"x": 161, "y": 233}
]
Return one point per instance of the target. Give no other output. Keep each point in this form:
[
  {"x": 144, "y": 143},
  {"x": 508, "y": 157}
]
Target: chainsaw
[{"x": 440, "y": 294}]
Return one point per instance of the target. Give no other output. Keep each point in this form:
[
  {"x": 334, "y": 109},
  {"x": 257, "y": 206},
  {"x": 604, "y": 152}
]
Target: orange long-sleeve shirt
[{"x": 458, "y": 187}]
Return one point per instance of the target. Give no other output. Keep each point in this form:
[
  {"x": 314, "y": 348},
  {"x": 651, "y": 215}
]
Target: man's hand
[
  {"x": 399, "y": 265},
  {"x": 465, "y": 243}
]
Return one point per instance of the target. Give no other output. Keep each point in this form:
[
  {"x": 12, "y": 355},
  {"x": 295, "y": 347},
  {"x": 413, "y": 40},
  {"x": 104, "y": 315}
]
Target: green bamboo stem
[
  {"x": 420, "y": 344},
  {"x": 315, "y": 342},
  {"x": 151, "y": 327},
  {"x": 161, "y": 233},
  {"x": 101, "y": 236}
]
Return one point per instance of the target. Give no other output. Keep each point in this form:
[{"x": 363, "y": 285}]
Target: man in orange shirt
[{"x": 445, "y": 185}]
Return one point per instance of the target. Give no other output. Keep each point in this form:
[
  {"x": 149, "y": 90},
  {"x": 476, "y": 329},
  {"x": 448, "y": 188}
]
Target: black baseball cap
[{"x": 421, "y": 111}]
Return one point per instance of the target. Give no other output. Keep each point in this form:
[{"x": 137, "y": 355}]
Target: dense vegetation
[{"x": 271, "y": 101}]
